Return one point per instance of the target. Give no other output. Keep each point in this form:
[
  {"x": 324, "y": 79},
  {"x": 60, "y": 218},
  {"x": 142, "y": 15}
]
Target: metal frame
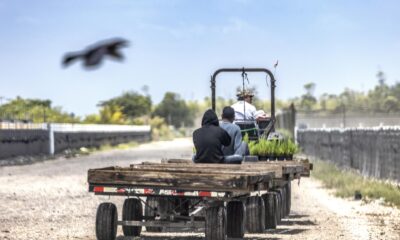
[
  {"x": 182, "y": 224},
  {"x": 268, "y": 72}
]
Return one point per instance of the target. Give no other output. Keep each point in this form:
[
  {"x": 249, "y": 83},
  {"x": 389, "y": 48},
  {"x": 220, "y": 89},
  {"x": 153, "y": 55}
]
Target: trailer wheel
[
  {"x": 277, "y": 205},
  {"x": 284, "y": 202},
  {"x": 236, "y": 216},
  {"x": 215, "y": 223},
  {"x": 106, "y": 221},
  {"x": 132, "y": 211},
  {"x": 288, "y": 197},
  {"x": 270, "y": 211},
  {"x": 150, "y": 211},
  {"x": 280, "y": 193},
  {"x": 255, "y": 214}
]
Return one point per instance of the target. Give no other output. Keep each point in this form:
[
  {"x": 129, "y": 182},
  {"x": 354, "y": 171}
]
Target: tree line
[
  {"x": 383, "y": 98},
  {"x": 134, "y": 107}
]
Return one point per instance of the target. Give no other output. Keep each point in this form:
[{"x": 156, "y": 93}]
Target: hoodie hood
[{"x": 209, "y": 118}]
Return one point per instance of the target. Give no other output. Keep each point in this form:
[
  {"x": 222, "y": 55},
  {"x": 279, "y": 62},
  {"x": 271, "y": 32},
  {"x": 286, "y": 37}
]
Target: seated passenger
[
  {"x": 244, "y": 110},
  {"x": 237, "y": 149},
  {"x": 209, "y": 139}
]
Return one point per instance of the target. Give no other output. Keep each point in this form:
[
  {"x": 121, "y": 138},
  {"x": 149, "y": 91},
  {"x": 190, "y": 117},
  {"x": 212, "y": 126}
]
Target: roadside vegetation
[
  {"x": 174, "y": 115},
  {"x": 349, "y": 184}
]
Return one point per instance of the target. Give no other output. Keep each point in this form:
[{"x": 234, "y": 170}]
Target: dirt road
[{"x": 49, "y": 200}]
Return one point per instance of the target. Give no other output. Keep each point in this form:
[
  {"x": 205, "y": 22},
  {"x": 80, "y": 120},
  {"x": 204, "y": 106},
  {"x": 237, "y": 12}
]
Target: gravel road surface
[{"x": 49, "y": 200}]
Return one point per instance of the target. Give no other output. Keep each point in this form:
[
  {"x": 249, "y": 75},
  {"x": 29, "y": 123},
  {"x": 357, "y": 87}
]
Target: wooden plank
[
  {"x": 297, "y": 165},
  {"x": 199, "y": 169},
  {"x": 172, "y": 180},
  {"x": 253, "y": 166},
  {"x": 279, "y": 168},
  {"x": 253, "y": 175},
  {"x": 275, "y": 171},
  {"x": 177, "y": 180}
]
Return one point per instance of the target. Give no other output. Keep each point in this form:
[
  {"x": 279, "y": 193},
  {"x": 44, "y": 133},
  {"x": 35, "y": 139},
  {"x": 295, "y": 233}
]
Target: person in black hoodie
[{"x": 209, "y": 139}]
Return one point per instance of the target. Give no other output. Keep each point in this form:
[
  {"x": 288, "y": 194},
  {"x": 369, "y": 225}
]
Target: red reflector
[
  {"x": 148, "y": 191},
  {"x": 205, "y": 194},
  {"x": 98, "y": 189},
  {"x": 121, "y": 190}
]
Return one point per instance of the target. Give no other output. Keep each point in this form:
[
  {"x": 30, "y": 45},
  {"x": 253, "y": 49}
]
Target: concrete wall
[
  {"x": 23, "y": 142},
  {"x": 374, "y": 152},
  {"x": 55, "y": 138},
  {"x": 336, "y": 120}
]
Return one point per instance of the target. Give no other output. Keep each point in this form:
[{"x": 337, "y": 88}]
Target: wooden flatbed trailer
[{"x": 225, "y": 200}]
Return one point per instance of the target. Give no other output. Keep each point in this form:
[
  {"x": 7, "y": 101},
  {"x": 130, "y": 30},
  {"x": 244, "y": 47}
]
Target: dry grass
[{"x": 347, "y": 183}]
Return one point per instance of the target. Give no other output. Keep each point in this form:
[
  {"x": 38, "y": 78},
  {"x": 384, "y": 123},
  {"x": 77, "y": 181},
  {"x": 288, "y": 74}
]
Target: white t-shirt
[{"x": 245, "y": 110}]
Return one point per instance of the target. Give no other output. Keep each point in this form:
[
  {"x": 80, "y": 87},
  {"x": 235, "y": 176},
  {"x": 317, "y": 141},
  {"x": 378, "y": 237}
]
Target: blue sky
[{"x": 176, "y": 45}]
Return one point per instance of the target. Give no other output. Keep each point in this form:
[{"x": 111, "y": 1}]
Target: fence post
[{"x": 51, "y": 138}]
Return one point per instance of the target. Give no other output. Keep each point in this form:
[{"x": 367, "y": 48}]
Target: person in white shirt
[{"x": 244, "y": 110}]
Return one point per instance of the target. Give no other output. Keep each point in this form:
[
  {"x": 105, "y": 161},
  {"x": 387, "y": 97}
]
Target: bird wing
[
  {"x": 94, "y": 54},
  {"x": 114, "y": 46},
  {"x": 69, "y": 58},
  {"x": 114, "y": 53}
]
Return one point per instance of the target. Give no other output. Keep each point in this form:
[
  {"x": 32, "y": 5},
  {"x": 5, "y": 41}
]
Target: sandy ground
[{"x": 49, "y": 200}]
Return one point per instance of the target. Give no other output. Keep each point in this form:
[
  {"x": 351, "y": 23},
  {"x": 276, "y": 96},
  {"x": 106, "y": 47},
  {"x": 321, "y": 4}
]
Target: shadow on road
[
  {"x": 189, "y": 238},
  {"x": 287, "y": 227},
  {"x": 296, "y": 219},
  {"x": 295, "y": 216}
]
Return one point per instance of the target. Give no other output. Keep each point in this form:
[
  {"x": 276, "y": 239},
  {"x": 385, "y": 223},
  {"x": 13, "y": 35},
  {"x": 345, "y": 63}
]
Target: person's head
[
  {"x": 209, "y": 118},
  {"x": 246, "y": 95},
  {"x": 228, "y": 113}
]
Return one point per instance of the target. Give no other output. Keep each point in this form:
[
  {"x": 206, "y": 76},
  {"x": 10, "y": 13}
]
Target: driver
[{"x": 244, "y": 110}]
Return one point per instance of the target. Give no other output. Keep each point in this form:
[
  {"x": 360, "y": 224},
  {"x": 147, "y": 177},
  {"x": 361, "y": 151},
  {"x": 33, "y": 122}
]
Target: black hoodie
[{"x": 208, "y": 140}]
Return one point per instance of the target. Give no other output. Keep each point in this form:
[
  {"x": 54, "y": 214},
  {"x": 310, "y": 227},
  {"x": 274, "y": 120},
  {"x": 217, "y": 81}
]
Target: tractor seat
[
  {"x": 263, "y": 123},
  {"x": 248, "y": 126}
]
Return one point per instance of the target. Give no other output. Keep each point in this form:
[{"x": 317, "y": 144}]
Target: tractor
[{"x": 253, "y": 128}]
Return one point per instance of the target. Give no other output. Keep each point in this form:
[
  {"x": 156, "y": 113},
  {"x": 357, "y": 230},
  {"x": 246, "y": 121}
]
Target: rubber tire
[
  {"x": 106, "y": 221},
  {"x": 215, "y": 223},
  {"x": 288, "y": 197},
  {"x": 132, "y": 211},
  {"x": 284, "y": 202},
  {"x": 277, "y": 205},
  {"x": 255, "y": 214},
  {"x": 281, "y": 204},
  {"x": 270, "y": 211},
  {"x": 152, "y": 203},
  {"x": 236, "y": 219}
]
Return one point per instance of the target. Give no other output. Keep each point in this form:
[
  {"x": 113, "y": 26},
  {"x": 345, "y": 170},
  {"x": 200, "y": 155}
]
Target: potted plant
[
  {"x": 262, "y": 148},
  {"x": 291, "y": 149},
  {"x": 281, "y": 148}
]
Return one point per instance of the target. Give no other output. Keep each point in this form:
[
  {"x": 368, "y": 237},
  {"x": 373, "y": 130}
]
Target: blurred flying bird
[{"x": 94, "y": 54}]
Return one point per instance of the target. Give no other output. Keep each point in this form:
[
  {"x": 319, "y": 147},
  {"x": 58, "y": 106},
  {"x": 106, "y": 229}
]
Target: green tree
[
  {"x": 174, "y": 110},
  {"x": 308, "y": 101},
  {"x": 35, "y": 110},
  {"x": 379, "y": 94},
  {"x": 132, "y": 104}
]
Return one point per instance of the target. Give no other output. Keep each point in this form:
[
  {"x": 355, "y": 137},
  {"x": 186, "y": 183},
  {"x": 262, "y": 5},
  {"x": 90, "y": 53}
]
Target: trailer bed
[
  {"x": 192, "y": 177},
  {"x": 181, "y": 177}
]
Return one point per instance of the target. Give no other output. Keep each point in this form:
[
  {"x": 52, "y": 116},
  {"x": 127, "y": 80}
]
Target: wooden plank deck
[
  {"x": 279, "y": 167},
  {"x": 183, "y": 174},
  {"x": 193, "y": 177}
]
